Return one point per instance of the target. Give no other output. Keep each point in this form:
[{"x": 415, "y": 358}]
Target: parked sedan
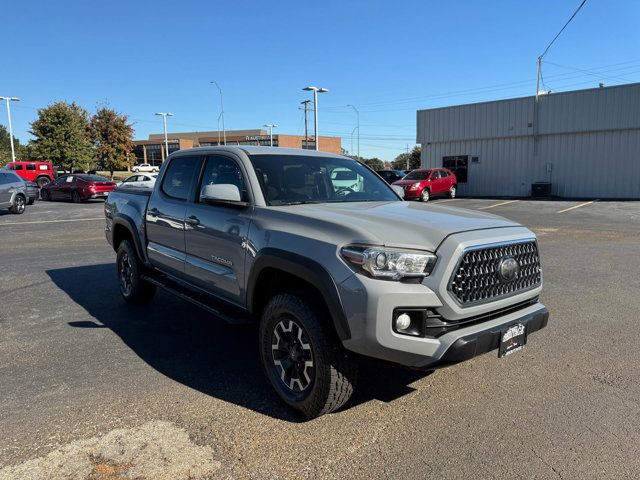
[
  {"x": 145, "y": 167},
  {"x": 147, "y": 181},
  {"x": 423, "y": 184},
  {"x": 391, "y": 176},
  {"x": 12, "y": 192},
  {"x": 77, "y": 187}
]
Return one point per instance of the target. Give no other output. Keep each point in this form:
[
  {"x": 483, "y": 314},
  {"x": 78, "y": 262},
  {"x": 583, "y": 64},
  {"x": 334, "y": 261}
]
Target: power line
[{"x": 562, "y": 29}]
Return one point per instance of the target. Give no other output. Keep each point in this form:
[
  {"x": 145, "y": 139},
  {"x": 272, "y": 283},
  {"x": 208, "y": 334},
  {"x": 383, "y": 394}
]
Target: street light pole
[
  {"x": 358, "y": 126},
  {"x": 271, "y": 126},
  {"x": 224, "y": 133},
  {"x": 166, "y": 140},
  {"x": 315, "y": 91},
  {"x": 10, "y": 99}
]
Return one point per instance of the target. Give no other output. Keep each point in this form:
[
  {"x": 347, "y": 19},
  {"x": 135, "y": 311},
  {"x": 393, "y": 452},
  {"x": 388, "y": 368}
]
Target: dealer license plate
[{"x": 512, "y": 340}]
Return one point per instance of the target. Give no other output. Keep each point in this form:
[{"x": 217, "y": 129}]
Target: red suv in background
[
  {"x": 423, "y": 184},
  {"x": 38, "y": 172}
]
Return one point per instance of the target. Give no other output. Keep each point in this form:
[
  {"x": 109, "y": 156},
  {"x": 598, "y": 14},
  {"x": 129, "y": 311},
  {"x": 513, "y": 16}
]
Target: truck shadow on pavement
[{"x": 194, "y": 348}]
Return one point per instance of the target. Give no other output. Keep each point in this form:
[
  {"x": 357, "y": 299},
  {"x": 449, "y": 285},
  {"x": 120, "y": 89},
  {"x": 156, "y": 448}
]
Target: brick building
[{"x": 152, "y": 150}]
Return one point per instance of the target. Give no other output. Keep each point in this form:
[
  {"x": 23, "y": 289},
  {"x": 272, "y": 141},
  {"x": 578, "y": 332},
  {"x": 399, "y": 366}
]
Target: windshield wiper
[{"x": 303, "y": 202}]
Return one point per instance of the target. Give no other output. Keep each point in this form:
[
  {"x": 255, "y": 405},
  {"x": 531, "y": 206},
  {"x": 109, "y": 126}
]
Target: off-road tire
[
  {"x": 42, "y": 181},
  {"x": 135, "y": 290},
  {"x": 334, "y": 372}
]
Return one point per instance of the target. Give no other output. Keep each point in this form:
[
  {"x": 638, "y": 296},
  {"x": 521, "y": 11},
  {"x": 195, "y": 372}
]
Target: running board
[{"x": 230, "y": 314}]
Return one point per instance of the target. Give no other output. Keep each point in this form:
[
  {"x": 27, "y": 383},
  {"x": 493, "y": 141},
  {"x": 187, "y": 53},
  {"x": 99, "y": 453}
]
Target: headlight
[
  {"x": 414, "y": 186},
  {"x": 390, "y": 263}
]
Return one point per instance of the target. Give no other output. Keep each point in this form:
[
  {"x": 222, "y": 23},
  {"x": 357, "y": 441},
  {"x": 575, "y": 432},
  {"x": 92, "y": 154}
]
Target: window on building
[{"x": 458, "y": 164}]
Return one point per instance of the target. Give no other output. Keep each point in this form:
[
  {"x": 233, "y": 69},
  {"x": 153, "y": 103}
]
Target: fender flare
[
  {"x": 129, "y": 225},
  {"x": 307, "y": 269}
]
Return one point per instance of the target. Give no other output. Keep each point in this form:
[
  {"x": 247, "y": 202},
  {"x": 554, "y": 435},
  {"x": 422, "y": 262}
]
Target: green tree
[
  {"x": 112, "y": 138},
  {"x": 5, "y": 146},
  {"x": 374, "y": 163},
  {"x": 62, "y": 137},
  {"x": 400, "y": 162}
]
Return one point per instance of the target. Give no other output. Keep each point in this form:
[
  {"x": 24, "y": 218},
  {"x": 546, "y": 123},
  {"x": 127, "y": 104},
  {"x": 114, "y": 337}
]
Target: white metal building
[{"x": 585, "y": 142}]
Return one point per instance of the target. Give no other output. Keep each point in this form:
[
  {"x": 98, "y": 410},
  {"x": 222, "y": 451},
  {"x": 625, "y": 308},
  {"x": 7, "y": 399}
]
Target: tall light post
[
  {"x": 357, "y": 126},
  {"x": 10, "y": 99},
  {"x": 315, "y": 91},
  {"x": 224, "y": 133},
  {"x": 166, "y": 140},
  {"x": 271, "y": 126}
]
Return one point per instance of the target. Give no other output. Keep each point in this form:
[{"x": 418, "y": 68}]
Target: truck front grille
[{"x": 477, "y": 278}]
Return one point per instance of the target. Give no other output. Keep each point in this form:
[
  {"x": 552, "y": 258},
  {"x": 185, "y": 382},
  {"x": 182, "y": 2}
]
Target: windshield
[
  {"x": 418, "y": 175},
  {"x": 293, "y": 179}
]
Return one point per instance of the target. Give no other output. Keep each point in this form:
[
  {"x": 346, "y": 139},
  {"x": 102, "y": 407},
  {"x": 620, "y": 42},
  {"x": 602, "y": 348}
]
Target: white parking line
[
  {"x": 442, "y": 201},
  {"x": 53, "y": 221},
  {"x": 577, "y": 206},
  {"x": 498, "y": 204}
]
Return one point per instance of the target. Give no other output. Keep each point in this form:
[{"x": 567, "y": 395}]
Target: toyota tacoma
[{"x": 330, "y": 272}]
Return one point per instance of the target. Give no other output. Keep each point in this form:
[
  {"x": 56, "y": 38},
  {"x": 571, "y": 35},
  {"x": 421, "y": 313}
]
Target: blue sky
[{"x": 387, "y": 58}]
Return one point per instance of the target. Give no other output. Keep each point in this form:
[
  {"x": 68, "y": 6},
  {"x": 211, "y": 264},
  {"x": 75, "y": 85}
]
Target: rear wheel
[
  {"x": 452, "y": 191},
  {"x": 133, "y": 288},
  {"x": 302, "y": 358},
  {"x": 42, "y": 181},
  {"x": 18, "y": 205},
  {"x": 425, "y": 195},
  {"x": 31, "y": 201}
]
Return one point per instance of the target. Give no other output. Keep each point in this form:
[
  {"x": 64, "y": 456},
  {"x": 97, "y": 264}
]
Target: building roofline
[{"x": 552, "y": 94}]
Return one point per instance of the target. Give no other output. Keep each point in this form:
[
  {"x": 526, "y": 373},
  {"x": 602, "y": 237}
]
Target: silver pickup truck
[{"x": 330, "y": 272}]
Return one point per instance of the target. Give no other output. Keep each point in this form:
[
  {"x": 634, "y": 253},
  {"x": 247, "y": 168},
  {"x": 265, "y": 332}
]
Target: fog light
[{"x": 403, "y": 322}]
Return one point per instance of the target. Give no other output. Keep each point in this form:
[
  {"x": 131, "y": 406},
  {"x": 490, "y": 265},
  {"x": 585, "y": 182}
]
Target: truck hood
[{"x": 394, "y": 224}]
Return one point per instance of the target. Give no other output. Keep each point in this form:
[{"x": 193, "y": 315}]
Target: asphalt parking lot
[{"x": 94, "y": 389}]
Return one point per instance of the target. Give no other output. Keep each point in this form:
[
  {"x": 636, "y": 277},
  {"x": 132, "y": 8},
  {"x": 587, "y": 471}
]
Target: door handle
[{"x": 193, "y": 220}]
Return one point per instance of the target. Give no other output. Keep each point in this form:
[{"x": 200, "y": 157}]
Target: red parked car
[
  {"x": 77, "y": 187},
  {"x": 37, "y": 172},
  {"x": 423, "y": 184}
]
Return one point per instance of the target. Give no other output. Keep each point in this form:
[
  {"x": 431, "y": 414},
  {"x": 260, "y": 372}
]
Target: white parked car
[
  {"x": 138, "y": 181},
  {"x": 145, "y": 167}
]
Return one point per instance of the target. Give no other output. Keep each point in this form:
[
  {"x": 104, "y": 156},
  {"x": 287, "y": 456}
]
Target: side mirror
[
  {"x": 221, "y": 193},
  {"x": 399, "y": 190}
]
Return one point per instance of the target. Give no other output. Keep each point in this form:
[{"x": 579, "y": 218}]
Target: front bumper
[{"x": 369, "y": 306}]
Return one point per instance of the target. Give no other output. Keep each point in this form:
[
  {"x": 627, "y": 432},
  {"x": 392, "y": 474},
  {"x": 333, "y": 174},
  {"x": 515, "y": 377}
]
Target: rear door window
[
  {"x": 30, "y": 166},
  {"x": 178, "y": 181}
]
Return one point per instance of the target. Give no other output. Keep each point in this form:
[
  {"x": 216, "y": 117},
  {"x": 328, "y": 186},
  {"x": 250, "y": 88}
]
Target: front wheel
[
  {"x": 452, "y": 191},
  {"x": 44, "y": 195},
  {"x": 303, "y": 359},
  {"x": 425, "y": 195},
  {"x": 18, "y": 205},
  {"x": 133, "y": 288},
  {"x": 76, "y": 197}
]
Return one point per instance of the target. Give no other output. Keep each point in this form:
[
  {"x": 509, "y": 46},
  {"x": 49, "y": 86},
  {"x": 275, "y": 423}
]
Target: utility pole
[
  {"x": 358, "y": 126},
  {"x": 10, "y": 99},
  {"x": 538, "y": 81},
  {"x": 224, "y": 132},
  {"x": 305, "y": 107},
  {"x": 315, "y": 91},
  {"x": 166, "y": 140}
]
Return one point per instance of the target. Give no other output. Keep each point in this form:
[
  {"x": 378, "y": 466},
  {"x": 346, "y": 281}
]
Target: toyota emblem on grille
[{"x": 508, "y": 269}]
